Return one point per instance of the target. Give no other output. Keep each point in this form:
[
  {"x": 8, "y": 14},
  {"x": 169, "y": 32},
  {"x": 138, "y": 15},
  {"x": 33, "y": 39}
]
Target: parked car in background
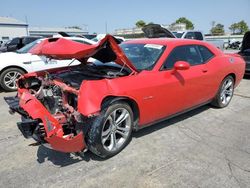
[
  {"x": 89, "y": 36},
  {"x": 3, "y": 47},
  {"x": 15, "y": 64},
  {"x": 101, "y": 36},
  {"x": 245, "y": 51},
  {"x": 17, "y": 43},
  {"x": 157, "y": 31},
  {"x": 198, "y": 35},
  {"x": 96, "y": 106}
]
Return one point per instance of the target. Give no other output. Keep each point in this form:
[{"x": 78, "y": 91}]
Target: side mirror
[{"x": 181, "y": 65}]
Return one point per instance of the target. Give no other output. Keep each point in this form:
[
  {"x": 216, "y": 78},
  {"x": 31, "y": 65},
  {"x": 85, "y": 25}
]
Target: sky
[{"x": 96, "y": 14}]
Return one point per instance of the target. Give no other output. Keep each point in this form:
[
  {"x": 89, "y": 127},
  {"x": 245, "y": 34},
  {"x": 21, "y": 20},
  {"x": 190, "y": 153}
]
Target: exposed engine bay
[
  {"x": 74, "y": 76},
  {"x": 58, "y": 93},
  {"x": 58, "y": 105}
]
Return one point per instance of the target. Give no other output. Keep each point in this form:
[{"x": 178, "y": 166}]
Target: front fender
[{"x": 91, "y": 95}]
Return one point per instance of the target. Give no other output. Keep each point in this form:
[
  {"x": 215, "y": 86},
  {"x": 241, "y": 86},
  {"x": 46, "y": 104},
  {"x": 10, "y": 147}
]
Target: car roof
[
  {"x": 166, "y": 41},
  {"x": 32, "y": 37},
  {"x": 173, "y": 42}
]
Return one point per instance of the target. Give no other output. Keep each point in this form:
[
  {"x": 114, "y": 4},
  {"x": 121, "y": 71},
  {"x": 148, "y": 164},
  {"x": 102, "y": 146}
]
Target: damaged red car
[{"x": 97, "y": 104}]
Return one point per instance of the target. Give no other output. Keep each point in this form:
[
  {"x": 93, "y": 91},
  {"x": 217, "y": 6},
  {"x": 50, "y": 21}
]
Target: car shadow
[
  {"x": 64, "y": 159},
  {"x": 169, "y": 122}
]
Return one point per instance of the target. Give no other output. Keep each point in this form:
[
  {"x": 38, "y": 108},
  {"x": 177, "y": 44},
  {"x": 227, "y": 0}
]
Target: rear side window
[
  {"x": 189, "y": 53},
  {"x": 198, "y": 36},
  {"x": 205, "y": 53},
  {"x": 15, "y": 41},
  {"x": 190, "y": 35}
]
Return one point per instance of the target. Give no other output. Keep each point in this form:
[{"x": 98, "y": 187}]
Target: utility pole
[
  {"x": 27, "y": 29},
  {"x": 85, "y": 28}
]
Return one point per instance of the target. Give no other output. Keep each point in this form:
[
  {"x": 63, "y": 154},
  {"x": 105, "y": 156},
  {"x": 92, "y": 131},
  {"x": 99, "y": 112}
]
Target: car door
[{"x": 183, "y": 89}]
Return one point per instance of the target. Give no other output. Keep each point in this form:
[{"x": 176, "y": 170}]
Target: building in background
[
  {"x": 10, "y": 28},
  {"x": 50, "y": 31},
  {"x": 176, "y": 27}
]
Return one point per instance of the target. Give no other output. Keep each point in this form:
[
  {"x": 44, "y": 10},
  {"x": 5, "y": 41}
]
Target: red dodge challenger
[{"x": 97, "y": 104}]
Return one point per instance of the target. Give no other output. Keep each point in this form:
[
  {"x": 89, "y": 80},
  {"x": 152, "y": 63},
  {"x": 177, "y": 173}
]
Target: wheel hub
[
  {"x": 113, "y": 130},
  {"x": 227, "y": 91},
  {"x": 116, "y": 129},
  {"x": 10, "y": 79}
]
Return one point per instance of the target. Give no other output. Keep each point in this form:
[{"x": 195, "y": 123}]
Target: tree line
[{"x": 237, "y": 28}]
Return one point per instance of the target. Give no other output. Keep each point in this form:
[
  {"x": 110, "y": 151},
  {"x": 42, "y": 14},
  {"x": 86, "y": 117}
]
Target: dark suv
[{"x": 17, "y": 43}]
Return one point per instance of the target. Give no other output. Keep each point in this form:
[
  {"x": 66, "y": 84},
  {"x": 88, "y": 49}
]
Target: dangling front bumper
[{"x": 36, "y": 114}]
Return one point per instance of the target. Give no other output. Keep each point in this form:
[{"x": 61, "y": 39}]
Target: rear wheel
[
  {"x": 225, "y": 93},
  {"x": 111, "y": 131},
  {"x": 8, "y": 78}
]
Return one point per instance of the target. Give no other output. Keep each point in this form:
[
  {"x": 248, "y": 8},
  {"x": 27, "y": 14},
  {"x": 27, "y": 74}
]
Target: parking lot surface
[{"x": 206, "y": 147}]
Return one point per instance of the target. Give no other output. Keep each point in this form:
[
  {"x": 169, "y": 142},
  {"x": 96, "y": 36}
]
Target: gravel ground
[{"x": 206, "y": 147}]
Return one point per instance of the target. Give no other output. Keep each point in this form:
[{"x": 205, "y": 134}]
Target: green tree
[
  {"x": 140, "y": 23},
  {"x": 189, "y": 24},
  {"x": 218, "y": 29},
  {"x": 243, "y": 27},
  {"x": 233, "y": 28},
  {"x": 239, "y": 27}
]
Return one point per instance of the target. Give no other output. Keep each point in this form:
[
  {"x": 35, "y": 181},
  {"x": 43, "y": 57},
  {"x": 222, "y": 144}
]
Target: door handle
[{"x": 204, "y": 70}]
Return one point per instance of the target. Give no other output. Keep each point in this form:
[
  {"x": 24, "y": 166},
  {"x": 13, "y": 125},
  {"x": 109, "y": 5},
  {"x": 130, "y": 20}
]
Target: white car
[
  {"x": 101, "y": 36},
  {"x": 14, "y": 64}
]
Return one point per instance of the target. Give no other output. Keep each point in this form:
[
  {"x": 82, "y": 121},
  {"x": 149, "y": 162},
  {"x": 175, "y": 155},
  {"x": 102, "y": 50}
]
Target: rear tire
[
  {"x": 111, "y": 131},
  {"x": 8, "y": 78},
  {"x": 225, "y": 93}
]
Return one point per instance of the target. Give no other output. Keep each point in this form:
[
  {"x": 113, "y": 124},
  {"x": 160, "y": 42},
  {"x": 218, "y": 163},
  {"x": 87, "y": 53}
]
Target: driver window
[{"x": 187, "y": 53}]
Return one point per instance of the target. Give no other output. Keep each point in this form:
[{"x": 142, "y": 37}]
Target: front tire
[
  {"x": 225, "y": 93},
  {"x": 8, "y": 78},
  {"x": 111, "y": 131}
]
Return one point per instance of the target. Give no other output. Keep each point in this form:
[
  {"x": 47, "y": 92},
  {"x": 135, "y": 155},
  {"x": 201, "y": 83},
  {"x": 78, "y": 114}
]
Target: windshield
[
  {"x": 178, "y": 34},
  {"x": 143, "y": 56},
  {"x": 27, "y": 47}
]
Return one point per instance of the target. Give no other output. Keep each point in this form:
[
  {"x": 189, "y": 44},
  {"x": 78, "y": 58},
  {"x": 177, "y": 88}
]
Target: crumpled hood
[{"x": 106, "y": 50}]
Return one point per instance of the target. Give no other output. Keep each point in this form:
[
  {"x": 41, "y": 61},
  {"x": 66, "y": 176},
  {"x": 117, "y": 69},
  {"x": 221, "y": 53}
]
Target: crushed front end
[
  {"x": 49, "y": 113},
  {"x": 49, "y": 101}
]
